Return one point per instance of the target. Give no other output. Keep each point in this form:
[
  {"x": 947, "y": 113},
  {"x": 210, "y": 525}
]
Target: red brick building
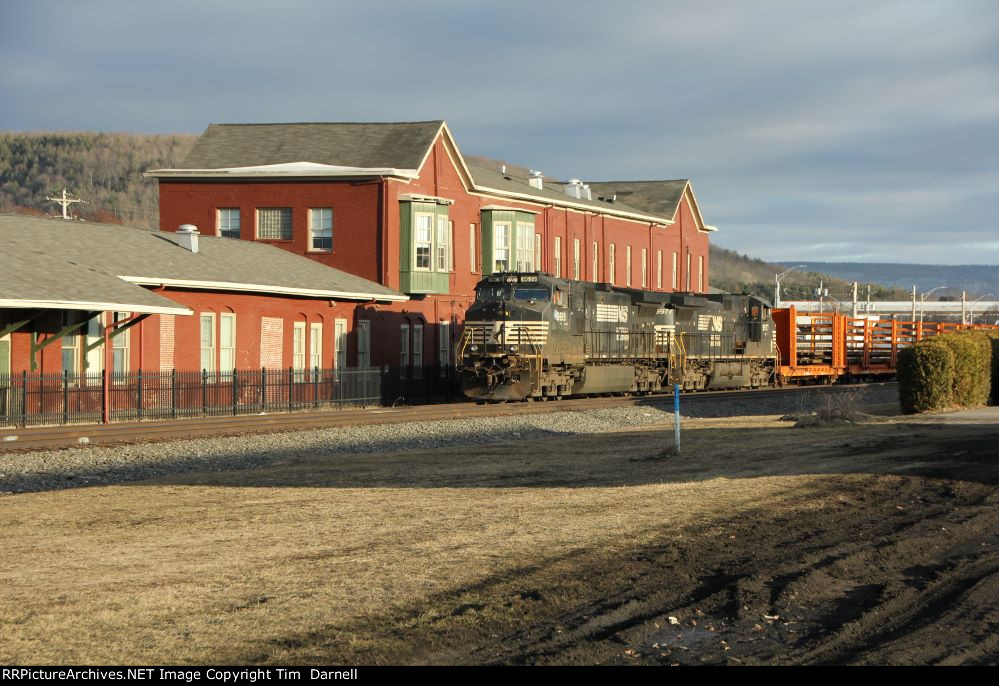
[
  {"x": 397, "y": 204},
  {"x": 80, "y": 297}
]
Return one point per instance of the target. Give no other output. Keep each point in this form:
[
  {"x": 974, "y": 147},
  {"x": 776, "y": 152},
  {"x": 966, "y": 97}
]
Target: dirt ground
[{"x": 873, "y": 543}]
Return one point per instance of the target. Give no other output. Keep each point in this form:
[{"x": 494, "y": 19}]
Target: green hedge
[
  {"x": 954, "y": 369},
  {"x": 925, "y": 377}
]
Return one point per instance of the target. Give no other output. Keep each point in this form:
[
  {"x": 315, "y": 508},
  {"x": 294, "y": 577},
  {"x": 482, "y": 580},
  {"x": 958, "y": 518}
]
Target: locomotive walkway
[{"x": 70, "y": 435}]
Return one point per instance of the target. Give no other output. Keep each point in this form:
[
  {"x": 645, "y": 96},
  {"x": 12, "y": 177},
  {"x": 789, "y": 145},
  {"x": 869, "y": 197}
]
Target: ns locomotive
[{"x": 534, "y": 336}]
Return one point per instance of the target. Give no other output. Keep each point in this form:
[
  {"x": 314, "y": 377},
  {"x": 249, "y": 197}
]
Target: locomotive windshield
[
  {"x": 532, "y": 294},
  {"x": 492, "y": 293}
]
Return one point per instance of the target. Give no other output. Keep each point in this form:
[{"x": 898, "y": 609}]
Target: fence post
[
  {"x": 291, "y": 380},
  {"x": 315, "y": 387},
  {"x": 105, "y": 396},
  {"x": 65, "y": 396},
  {"x": 173, "y": 393},
  {"x": 235, "y": 389},
  {"x": 24, "y": 397},
  {"x": 204, "y": 391},
  {"x": 263, "y": 389},
  {"x": 139, "y": 398}
]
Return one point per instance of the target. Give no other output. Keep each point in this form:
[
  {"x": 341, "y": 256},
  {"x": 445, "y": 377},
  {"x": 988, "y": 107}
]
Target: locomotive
[{"x": 535, "y": 336}]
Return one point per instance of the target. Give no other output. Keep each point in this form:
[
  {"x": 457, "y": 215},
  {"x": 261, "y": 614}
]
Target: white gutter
[
  {"x": 93, "y": 306},
  {"x": 260, "y": 288},
  {"x": 278, "y": 171}
]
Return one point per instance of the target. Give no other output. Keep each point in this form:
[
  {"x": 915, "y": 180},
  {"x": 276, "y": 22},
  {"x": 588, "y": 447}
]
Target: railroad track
[{"x": 70, "y": 435}]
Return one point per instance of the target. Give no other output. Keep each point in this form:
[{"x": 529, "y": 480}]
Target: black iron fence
[{"x": 36, "y": 399}]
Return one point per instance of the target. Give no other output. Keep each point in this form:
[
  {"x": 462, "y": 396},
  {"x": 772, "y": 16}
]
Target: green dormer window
[
  {"x": 425, "y": 250},
  {"x": 508, "y": 240}
]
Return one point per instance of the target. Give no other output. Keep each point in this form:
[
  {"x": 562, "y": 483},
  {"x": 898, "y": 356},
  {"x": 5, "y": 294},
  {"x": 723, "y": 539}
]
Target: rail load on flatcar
[{"x": 535, "y": 336}]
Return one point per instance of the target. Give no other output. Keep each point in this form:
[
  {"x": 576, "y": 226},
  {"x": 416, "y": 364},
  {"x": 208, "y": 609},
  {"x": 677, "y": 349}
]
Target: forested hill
[
  {"x": 973, "y": 278},
  {"x": 105, "y": 169}
]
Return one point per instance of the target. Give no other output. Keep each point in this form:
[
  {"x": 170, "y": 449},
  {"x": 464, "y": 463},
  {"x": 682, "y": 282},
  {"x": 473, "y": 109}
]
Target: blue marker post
[{"x": 676, "y": 418}]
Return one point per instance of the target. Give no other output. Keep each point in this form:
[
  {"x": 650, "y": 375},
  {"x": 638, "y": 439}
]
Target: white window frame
[
  {"x": 5, "y": 342},
  {"x": 208, "y": 353},
  {"x": 69, "y": 343},
  {"x": 627, "y": 266},
  {"x": 298, "y": 346},
  {"x": 525, "y": 246},
  {"x": 575, "y": 259},
  {"x": 676, "y": 278},
  {"x": 315, "y": 345},
  {"x": 659, "y": 270},
  {"x": 363, "y": 344},
  {"x": 224, "y": 223},
  {"x": 558, "y": 257},
  {"x": 427, "y": 242},
  {"x": 404, "y": 349},
  {"x": 687, "y": 275},
  {"x": 417, "y": 351},
  {"x": 537, "y": 251},
  {"x": 611, "y": 263},
  {"x": 227, "y": 353},
  {"x": 700, "y": 273},
  {"x": 442, "y": 248},
  {"x": 596, "y": 262},
  {"x": 645, "y": 268},
  {"x": 501, "y": 246},
  {"x": 473, "y": 261},
  {"x": 322, "y": 214},
  {"x": 340, "y": 343},
  {"x": 284, "y": 211},
  {"x": 444, "y": 346},
  {"x": 93, "y": 359},
  {"x": 121, "y": 343}
]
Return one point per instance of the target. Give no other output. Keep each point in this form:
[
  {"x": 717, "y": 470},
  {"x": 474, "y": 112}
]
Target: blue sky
[{"x": 812, "y": 130}]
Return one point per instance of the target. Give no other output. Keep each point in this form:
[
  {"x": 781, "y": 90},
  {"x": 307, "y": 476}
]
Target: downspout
[{"x": 384, "y": 233}]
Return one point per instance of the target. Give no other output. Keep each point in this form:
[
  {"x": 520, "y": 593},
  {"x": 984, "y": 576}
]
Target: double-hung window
[
  {"x": 424, "y": 240},
  {"x": 575, "y": 258},
  {"x": 558, "y": 257},
  {"x": 525, "y": 247},
  {"x": 443, "y": 244},
  {"x": 611, "y": 267},
  {"x": 404, "y": 349},
  {"x": 274, "y": 223},
  {"x": 444, "y": 346},
  {"x": 208, "y": 341},
  {"x": 595, "y": 275},
  {"x": 675, "y": 281},
  {"x": 627, "y": 266},
  {"x": 227, "y": 342},
  {"x": 119, "y": 346},
  {"x": 417, "y": 351},
  {"x": 229, "y": 222},
  {"x": 321, "y": 229},
  {"x": 645, "y": 268},
  {"x": 659, "y": 269},
  {"x": 298, "y": 346},
  {"x": 700, "y": 273},
  {"x": 537, "y": 251},
  {"x": 471, "y": 247},
  {"x": 501, "y": 246},
  {"x": 315, "y": 346}
]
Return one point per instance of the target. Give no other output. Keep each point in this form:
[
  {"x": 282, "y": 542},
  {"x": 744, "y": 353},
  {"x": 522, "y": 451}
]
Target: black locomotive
[{"x": 536, "y": 336}]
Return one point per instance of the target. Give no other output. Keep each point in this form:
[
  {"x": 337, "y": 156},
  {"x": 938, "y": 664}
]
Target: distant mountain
[
  {"x": 976, "y": 279},
  {"x": 104, "y": 169}
]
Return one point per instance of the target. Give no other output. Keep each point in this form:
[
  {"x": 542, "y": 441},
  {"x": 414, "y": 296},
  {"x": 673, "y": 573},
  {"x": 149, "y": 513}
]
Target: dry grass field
[{"x": 574, "y": 549}]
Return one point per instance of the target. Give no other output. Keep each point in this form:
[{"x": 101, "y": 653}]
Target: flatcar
[{"x": 535, "y": 336}]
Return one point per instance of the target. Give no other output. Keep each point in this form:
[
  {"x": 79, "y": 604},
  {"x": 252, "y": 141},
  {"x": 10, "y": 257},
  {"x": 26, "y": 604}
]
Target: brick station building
[
  {"x": 397, "y": 204},
  {"x": 79, "y": 297}
]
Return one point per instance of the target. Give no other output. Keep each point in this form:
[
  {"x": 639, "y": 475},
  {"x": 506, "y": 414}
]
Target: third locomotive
[{"x": 537, "y": 336}]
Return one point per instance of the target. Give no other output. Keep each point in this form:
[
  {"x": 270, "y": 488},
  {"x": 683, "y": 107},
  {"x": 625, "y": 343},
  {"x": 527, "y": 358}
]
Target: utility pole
[
  {"x": 913, "y": 303},
  {"x": 964, "y": 305},
  {"x": 65, "y": 202},
  {"x": 854, "y": 299}
]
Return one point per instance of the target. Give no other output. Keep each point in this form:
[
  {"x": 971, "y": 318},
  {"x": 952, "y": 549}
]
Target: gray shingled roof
[
  {"x": 490, "y": 178},
  {"x": 48, "y": 245},
  {"x": 397, "y": 145},
  {"x": 657, "y": 197},
  {"x": 33, "y": 278}
]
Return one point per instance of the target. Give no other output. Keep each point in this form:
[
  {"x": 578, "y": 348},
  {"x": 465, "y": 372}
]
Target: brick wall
[
  {"x": 167, "y": 340},
  {"x": 271, "y": 342}
]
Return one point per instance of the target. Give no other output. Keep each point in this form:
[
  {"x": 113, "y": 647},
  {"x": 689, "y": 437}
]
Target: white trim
[
  {"x": 259, "y": 288},
  {"x": 416, "y": 197},
  {"x": 505, "y": 208},
  {"x": 93, "y": 306},
  {"x": 288, "y": 169}
]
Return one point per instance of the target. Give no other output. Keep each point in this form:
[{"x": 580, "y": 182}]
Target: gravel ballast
[{"x": 95, "y": 465}]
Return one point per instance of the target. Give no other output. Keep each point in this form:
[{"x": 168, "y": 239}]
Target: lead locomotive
[{"x": 537, "y": 336}]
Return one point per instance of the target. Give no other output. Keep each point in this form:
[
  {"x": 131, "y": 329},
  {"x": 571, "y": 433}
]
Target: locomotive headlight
[
  {"x": 474, "y": 348},
  {"x": 513, "y": 348}
]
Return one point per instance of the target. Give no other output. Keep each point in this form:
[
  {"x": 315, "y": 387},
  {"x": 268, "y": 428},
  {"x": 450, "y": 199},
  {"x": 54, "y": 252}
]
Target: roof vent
[
  {"x": 536, "y": 179},
  {"x": 187, "y": 237},
  {"x": 573, "y": 187}
]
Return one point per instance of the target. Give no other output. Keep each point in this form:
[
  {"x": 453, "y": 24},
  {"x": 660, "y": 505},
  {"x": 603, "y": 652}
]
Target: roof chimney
[
  {"x": 536, "y": 179},
  {"x": 187, "y": 237}
]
